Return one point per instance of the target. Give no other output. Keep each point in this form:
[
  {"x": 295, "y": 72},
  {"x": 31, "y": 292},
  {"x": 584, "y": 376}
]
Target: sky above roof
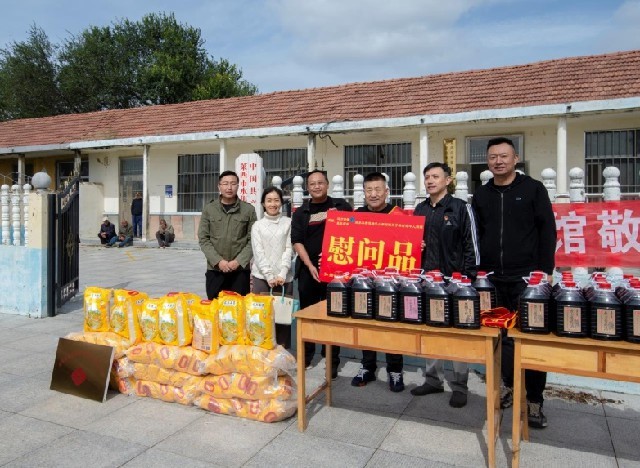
[{"x": 293, "y": 44}]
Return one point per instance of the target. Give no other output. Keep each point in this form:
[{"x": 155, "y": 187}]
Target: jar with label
[
  {"x": 361, "y": 297},
  {"x": 605, "y": 313},
  {"x": 632, "y": 312},
  {"x": 386, "y": 300},
  {"x": 486, "y": 290},
  {"x": 338, "y": 297},
  {"x": 466, "y": 306},
  {"x": 534, "y": 308},
  {"x": 411, "y": 300},
  {"x": 572, "y": 312},
  {"x": 437, "y": 302}
]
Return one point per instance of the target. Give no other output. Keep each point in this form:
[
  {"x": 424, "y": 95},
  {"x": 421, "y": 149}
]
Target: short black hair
[
  {"x": 229, "y": 173},
  {"x": 318, "y": 171},
  {"x": 269, "y": 190},
  {"x": 500, "y": 141},
  {"x": 445, "y": 167},
  {"x": 373, "y": 176}
]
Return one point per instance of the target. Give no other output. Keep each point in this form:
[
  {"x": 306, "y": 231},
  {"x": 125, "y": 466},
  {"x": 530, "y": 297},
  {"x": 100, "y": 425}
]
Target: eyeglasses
[{"x": 228, "y": 184}]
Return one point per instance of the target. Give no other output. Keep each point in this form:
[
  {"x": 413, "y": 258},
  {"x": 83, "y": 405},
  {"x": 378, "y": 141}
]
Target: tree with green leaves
[{"x": 129, "y": 64}]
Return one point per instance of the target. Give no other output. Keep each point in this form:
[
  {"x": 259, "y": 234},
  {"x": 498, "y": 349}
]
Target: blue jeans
[
  {"x": 123, "y": 243},
  {"x": 137, "y": 225}
]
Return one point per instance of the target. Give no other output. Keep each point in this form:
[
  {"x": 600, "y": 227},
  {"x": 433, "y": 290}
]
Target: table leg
[
  {"x": 302, "y": 423},
  {"x": 328, "y": 366},
  {"x": 519, "y": 406},
  {"x": 492, "y": 392}
]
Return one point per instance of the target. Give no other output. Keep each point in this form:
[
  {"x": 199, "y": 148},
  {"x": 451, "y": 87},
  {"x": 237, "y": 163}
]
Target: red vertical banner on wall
[
  {"x": 598, "y": 234},
  {"x": 370, "y": 240}
]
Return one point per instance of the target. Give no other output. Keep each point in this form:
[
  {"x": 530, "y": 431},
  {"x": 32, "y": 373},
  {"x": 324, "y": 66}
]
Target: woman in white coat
[{"x": 272, "y": 254}]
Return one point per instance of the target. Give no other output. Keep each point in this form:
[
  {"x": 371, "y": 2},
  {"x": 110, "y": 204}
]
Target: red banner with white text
[
  {"x": 370, "y": 240},
  {"x": 598, "y": 234}
]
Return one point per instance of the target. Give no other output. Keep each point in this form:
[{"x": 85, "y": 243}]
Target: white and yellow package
[
  {"x": 231, "y": 318},
  {"x": 148, "y": 319},
  {"x": 258, "y": 410},
  {"x": 173, "y": 320},
  {"x": 205, "y": 326},
  {"x": 191, "y": 300},
  {"x": 248, "y": 387},
  {"x": 117, "y": 342},
  {"x": 251, "y": 360},
  {"x": 125, "y": 311},
  {"x": 260, "y": 324},
  {"x": 97, "y": 302},
  {"x": 180, "y": 358},
  {"x": 154, "y": 373},
  {"x": 168, "y": 393}
]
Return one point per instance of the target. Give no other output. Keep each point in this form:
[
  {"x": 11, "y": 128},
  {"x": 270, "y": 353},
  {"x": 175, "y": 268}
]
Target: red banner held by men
[
  {"x": 598, "y": 234},
  {"x": 370, "y": 240}
]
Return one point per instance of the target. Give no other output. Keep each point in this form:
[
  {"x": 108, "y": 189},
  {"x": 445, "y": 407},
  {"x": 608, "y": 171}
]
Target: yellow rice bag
[
  {"x": 149, "y": 321},
  {"x": 258, "y": 410},
  {"x": 117, "y": 342},
  {"x": 180, "y": 358},
  {"x": 205, "y": 326},
  {"x": 153, "y": 373},
  {"x": 231, "y": 318},
  {"x": 123, "y": 319},
  {"x": 260, "y": 323},
  {"x": 169, "y": 393},
  {"x": 97, "y": 302},
  {"x": 248, "y": 387},
  {"x": 173, "y": 320},
  {"x": 250, "y": 360},
  {"x": 192, "y": 300}
]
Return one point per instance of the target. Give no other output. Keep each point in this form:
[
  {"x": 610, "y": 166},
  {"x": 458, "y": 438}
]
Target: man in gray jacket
[{"x": 225, "y": 238}]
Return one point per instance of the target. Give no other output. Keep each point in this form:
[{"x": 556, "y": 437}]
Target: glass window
[
  {"x": 197, "y": 180},
  {"x": 285, "y": 163},
  {"x": 393, "y": 159},
  {"x": 64, "y": 169},
  {"x": 619, "y": 148}
]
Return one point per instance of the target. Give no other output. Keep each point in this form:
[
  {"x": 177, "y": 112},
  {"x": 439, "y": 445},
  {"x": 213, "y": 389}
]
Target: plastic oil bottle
[
  {"x": 361, "y": 297},
  {"x": 486, "y": 290},
  {"x": 466, "y": 306},
  {"x": 338, "y": 297},
  {"x": 437, "y": 302},
  {"x": 411, "y": 300},
  {"x": 572, "y": 312},
  {"x": 605, "y": 313},
  {"x": 534, "y": 308},
  {"x": 386, "y": 299}
]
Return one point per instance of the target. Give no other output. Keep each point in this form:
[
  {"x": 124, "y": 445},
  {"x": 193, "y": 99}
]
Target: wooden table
[
  {"x": 615, "y": 360},
  {"x": 476, "y": 346}
]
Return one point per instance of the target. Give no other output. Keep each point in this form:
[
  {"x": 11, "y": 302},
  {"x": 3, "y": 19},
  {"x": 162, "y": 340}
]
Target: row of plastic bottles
[
  {"x": 600, "y": 310},
  {"x": 417, "y": 298}
]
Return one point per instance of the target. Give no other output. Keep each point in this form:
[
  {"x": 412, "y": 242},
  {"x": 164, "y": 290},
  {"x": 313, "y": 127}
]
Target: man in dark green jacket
[{"x": 225, "y": 238}]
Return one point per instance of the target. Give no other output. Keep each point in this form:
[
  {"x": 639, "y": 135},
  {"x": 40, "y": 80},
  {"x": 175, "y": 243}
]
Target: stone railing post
[
  {"x": 297, "y": 194},
  {"x": 338, "y": 186},
  {"x": 576, "y": 185},
  {"x": 15, "y": 213},
  {"x": 4, "y": 202},
  {"x": 549, "y": 181},
  {"x": 358, "y": 191},
  {"x": 26, "y": 191},
  {"x": 486, "y": 176},
  {"x": 611, "y": 189},
  {"x": 462, "y": 187},
  {"x": 276, "y": 181},
  {"x": 387, "y": 178},
  {"x": 409, "y": 191}
]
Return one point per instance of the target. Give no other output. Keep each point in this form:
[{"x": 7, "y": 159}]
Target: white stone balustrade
[
  {"x": 26, "y": 191},
  {"x": 576, "y": 185},
  {"x": 462, "y": 186},
  {"x": 4, "y": 202},
  {"x": 549, "y": 181},
  {"x": 358, "y": 191},
  {"x": 338, "y": 186},
  {"x": 611, "y": 189},
  {"x": 409, "y": 191}
]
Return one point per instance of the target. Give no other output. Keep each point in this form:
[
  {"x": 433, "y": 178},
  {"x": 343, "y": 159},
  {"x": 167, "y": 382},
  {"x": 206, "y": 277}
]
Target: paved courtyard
[{"x": 367, "y": 426}]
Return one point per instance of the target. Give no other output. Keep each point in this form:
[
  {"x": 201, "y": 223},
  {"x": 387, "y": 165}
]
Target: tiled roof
[{"x": 568, "y": 80}]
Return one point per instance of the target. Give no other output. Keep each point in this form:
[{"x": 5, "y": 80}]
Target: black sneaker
[
  {"x": 506, "y": 397},
  {"x": 536, "y": 417},
  {"x": 396, "y": 383},
  {"x": 426, "y": 389},
  {"x": 363, "y": 377}
]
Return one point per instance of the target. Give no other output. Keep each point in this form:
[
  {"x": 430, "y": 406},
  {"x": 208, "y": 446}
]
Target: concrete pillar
[
  {"x": 561, "y": 155},
  {"x": 424, "y": 156},
  {"x": 311, "y": 152},
  {"x": 21, "y": 169},
  {"x": 145, "y": 193},
  {"x": 223, "y": 155}
]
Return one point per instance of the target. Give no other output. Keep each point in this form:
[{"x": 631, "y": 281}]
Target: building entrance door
[{"x": 130, "y": 183}]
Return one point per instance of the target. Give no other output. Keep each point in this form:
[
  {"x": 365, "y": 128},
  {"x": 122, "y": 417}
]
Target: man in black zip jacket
[
  {"x": 307, "y": 229},
  {"x": 517, "y": 233},
  {"x": 450, "y": 244}
]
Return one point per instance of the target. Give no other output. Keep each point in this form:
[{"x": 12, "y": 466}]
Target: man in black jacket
[
  {"x": 517, "y": 233},
  {"x": 449, "y": 245},
  {"x": 136, "y": 215},
  {"x": 307, "y": 230}
]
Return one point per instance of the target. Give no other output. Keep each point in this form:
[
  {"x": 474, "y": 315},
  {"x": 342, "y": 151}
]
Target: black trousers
[
  {"x": 236, "y": 281},
  {"x": 369, "y": 361},
  {"x": 311, "y": 292},
  {"x": 508, "y": 295}
]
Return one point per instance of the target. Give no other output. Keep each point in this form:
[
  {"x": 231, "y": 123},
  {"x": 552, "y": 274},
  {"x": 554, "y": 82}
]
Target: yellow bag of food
[
  {"x": 251, "y": 360},
  {"x": 247, "y": 387},
  {"x": 205, "y": 326},
  {"x": 192, "y": 300},
  {"x": 123, "y": 319},
  {"x": 173, "y": 320},
  {"x": 260, "y": 323},
  {"x": 149, "y": 320},
  {"x": 161, "y": 375},
  {"x": 180, "y": 358},
  {"x": 117, "y": 342},
  {"x": 258, "y": 410},
  {"x": 231, "y": 318},
  {"x": 168, "y": 393},
  {"x": 97, "y": 302}
]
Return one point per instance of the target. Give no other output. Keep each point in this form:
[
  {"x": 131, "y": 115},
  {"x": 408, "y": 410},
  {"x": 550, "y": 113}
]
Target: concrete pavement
[{"x": 367, "y": 426}]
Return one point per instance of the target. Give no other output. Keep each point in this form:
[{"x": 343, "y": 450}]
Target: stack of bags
[{"x": 220, "y": 355}]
